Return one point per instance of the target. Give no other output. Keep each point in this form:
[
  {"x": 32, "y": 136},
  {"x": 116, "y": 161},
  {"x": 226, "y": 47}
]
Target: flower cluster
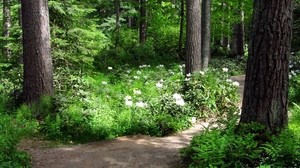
[
  {"x": 178, "y": 99},
  {"x": 129, "y": 102}
]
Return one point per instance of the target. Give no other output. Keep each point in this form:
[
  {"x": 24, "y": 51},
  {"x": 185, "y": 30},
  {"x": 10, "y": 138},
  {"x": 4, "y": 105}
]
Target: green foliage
[
  {"x": 247, "y": 145},
  {"x": 147, "y": 100},
  {"x": 212, "y": 93},
  {"x": 12, "y": 129}
]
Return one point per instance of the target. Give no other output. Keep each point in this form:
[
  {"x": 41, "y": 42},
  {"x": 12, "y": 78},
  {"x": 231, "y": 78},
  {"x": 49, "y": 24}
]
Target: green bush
[
  {"x": 211, "y": 93},
  {"x": 148, "y": 100},
  {"x": 12, "y": 129},
  {"x": 247, "y": 145}
]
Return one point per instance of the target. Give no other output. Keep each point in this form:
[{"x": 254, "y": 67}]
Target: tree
[
  {"x": 193, "y": 36},
  {"x": 205, "y": 36},
  {"x": 266, "y": 86},
  {"x": 238, "y": 40},
  {"x": 6, "y": 26},
  {"x": 180, "y": 53},
  {"x": 38, "y": 73},
  {"x": 118, "y": 24},
  {"x": 143, "y": 21}
]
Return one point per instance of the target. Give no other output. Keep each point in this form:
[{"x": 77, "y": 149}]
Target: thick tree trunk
[
  {"x": 205, "y": 37},
  {"x": 38, "y": 73},
  {"x": 193, "y": 36},
  {"x": 266, "y": 87},
  {"x": 117, "y": 9},
  {"x": 143, "y": 21},
  {"x": 6, "y": 26},
  {"x": 180, "y": 42}
]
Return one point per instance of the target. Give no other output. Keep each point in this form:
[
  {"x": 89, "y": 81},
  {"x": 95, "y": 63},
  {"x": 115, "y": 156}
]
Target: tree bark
[
  {"x": 6, "y": 26},
  {"x": 238, "y": 40},
  {"x": 143, "y": 21},
  {"x": 180, "y": 42},
  {"x": 206, "y": 39},
  {"x": 38, "y": 73},
  {"x": 193, "y": 36},
  {"x": 117, "y": 10},
  {"x": 266, "y": 87}
]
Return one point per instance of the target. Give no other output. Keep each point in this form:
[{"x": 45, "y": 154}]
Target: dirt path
[{"x": 129, "y": 151}]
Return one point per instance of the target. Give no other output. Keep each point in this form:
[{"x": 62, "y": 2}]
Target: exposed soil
[{"x": 129, "y": 151}]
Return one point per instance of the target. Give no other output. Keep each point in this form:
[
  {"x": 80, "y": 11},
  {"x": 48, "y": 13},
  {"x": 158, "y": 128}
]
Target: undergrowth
[
  {"x": 147, "y": 100},
  {"x": 250, "y": 146}
]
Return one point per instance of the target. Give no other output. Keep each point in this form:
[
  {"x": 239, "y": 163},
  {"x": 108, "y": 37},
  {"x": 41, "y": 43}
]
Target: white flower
[
  {"x": 228, "y": 80},
  {"x": 128, "y": 98},
  {"x": 187, "y": 79},
  {"x": 183, "y": 65},
  {"x": 128, "y": 71},
  {"x": 202, "y": 72},
  {"x": 180, "y": 102},
  {"x": 159, "y": 85},
  {"x": 141, "y": 104},
  {"x": 177, "y": 96},
  {"x": 290, "y": 76},
  {"x": 188, "y": 75},
  {"x": 136, "y": 77},
  {"x": 110, "y": 68},
  {"x": 235, "y": 83},
  {"x": 161, "y": 81},
  {"x": 160, "y": 66},
  {"x": 137, "y": 92},
  {"x": 225, "y": 69},
  {"x": 193, "y": 120},
  {"x": 128, "y": 103},
  {"x": 178, "y": 99},
  {"x": 138, "y": 72},
  {"x": 104, "y": 83}
]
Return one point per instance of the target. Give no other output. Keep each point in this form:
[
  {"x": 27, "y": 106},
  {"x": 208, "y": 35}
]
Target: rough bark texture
[
  {"x": 143, "y": 21},
  {"x": 266, "y": 88},
  {"x": 38, "y": 75},
  {"x": 6, "y": 26},
  {"x": 193, "y": 36},
  {"x": 205, "y": 37},
  {"x": 180, "y": 42}
]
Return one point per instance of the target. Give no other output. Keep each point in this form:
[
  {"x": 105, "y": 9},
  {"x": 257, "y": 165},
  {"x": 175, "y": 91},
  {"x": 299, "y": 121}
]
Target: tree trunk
[
  {"x": 237, "y": 41},
  {"x": 38, "y": 73},
  {"x": 266, "y": 87},
  {"x": 6, "y": 26},
  {"x": 143, "y": 21},
  {"x": 117, "y": 9},
  {"x": 180, "y": 48},
  {"x": 205, "y": 37},
  {"x": 193, "y": 36}
]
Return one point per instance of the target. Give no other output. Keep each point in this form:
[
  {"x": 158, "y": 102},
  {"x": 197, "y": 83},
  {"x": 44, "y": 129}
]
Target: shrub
[
  {"x": 248, "y": 145},
  {"x": 12, "y": 130}
]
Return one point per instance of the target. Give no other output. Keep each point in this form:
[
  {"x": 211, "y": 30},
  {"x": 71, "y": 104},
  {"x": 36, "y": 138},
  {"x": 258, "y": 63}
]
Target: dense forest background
[{"x": 119, "y": 69}]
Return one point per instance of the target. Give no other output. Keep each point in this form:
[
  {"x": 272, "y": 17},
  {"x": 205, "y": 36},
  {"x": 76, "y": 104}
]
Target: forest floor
[{"x": 128, "y": 151}]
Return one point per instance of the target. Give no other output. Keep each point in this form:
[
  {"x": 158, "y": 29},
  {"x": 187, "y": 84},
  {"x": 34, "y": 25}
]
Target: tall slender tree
[
  {"x": 206, "y": 38},
  {"x": 266, "y": 87},
  {"x": 38, "y": 73},
  {"x": 180, "y": 42},
  {"x": 143, "y": 21},
  {"x": 193, "y": 36},
  {"x": 118, "y": 24},
  {"x": 6, "y": 26}
]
